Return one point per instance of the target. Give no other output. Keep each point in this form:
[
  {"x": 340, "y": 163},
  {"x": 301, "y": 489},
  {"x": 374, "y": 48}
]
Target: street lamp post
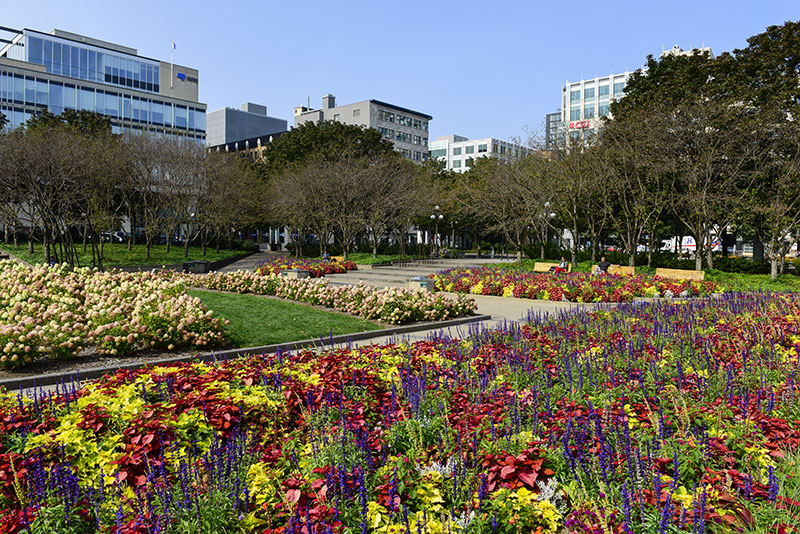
[{"x": 436, "y": 216}]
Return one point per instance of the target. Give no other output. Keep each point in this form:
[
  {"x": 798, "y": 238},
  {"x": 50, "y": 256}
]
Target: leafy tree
[
  {"x": 3, "y": 120},
  {"x": 329, "y": 140}
]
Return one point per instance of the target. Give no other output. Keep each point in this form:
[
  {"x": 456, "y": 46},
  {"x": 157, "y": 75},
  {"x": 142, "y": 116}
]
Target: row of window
[
  {"x": 390, "y": 134},
  {"x": 93, "y": 64},
  {"x": 17, "y": 117},
  {"x": 402, "y": 120},
  {"x": 58, "y": 97},
  {"x": 603, "y": 110},
  {"x": 602, "y": 93},
  {"x": 413, "y": 155}
]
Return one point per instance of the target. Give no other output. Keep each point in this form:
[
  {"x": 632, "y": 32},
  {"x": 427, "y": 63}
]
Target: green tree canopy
[
  {"x": 84, "y": 122},
  {"x": 328, "y": 140}
]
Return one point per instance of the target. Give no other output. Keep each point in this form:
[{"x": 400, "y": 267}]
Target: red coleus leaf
[
  {"x": 293, "y": 495},
  {"x": 528, "y": 478},
  {"x": 507, "y": 472},
  {"x": 140, "y": 480},
  {"x": 248, "y": 381}
]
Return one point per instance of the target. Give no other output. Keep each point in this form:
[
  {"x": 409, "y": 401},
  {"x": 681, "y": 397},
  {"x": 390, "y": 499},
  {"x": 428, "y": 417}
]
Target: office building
[
  {"x": 460, "y": 153},
  {"x": 583, "y": 103},
  {"x": 555, "y": 133},
  {"x": 405, "y": 128},
  {"x": 60, "y": 71},
  {"x": 230, "y": 125}
]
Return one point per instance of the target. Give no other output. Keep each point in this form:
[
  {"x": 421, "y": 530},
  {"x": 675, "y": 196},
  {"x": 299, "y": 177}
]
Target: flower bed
[
  {"x": 394, "y": 306},
  {"x": 52, "y": 312},
  {"x": 571, "y": 287},
  {"x": 671, "y": 417},
  {"x": 315, "y": 268}
]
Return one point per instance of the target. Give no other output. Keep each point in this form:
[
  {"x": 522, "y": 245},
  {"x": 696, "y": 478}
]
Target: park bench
[
  {"x": 680, "y": 274},
  {"x": 340, "y": 259},
  {"x": 616, "y": 269},
  {"x": 544, "y": 267}
]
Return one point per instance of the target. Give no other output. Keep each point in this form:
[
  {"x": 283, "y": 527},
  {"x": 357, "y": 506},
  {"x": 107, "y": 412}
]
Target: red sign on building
[{"x": 579, "y": 124}]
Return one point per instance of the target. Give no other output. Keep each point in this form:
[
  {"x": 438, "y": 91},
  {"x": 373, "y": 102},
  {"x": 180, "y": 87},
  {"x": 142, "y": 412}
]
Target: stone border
[
  {"x": 14, "y": 384},
  {"x": 12, "y": 257}
]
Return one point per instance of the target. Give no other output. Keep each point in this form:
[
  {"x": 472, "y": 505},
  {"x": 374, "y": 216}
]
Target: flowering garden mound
[
  {"x": 567, "y": 287},
  {"x": 52, "y": 312},
  {"x": 315, "y": 268},
  {"x": 390, "y": 305},
  {"x": 667, "y": 417}
]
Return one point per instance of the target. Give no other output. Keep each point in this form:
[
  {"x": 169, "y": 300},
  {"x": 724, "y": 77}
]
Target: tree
[
  {"x": 637, "y": 187},
  {"x": 3, "y": 120},
  {"x": 329, "y": 140}
]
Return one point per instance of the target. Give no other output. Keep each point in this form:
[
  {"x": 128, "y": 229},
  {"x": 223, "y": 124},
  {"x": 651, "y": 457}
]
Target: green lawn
[
  {"x": 118, "y": 254},
  {"x": 256, "y": 321},
  {"x": 365, "y": 258}
]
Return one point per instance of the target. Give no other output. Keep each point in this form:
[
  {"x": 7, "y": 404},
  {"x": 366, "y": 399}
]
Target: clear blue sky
[{"x": 480, "y": 68}]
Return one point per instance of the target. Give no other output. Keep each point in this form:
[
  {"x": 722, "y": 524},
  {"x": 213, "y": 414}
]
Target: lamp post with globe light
[{"x": 436, "y": 216}]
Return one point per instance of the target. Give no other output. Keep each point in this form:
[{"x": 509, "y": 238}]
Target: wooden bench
[
  {"x": 340, "y": 259},
  {"x": 544, "y": 267},
  {"x": 616, "y": 269},
  {"x": 680, "y": 274}
]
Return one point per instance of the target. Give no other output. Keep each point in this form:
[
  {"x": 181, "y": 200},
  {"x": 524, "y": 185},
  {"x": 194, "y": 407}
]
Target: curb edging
[{"x": 15, "y": 384}]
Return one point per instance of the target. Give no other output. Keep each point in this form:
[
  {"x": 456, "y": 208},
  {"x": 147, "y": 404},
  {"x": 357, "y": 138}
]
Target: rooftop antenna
[{"x": 308, "y": 101}]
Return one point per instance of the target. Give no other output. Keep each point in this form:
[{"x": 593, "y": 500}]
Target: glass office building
[{"x": 60, "y": 71}]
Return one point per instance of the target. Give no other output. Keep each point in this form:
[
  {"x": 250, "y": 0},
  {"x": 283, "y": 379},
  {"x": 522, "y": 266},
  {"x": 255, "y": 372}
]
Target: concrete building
[
  {"x": 555, "y": 133},
  {"x": 252, "y": 147},
  {"x": 460, "y": 153},
  {"x": 584, "y": 102},
  {"x": 60, "y": 71},
  {"x": 229, "y": 125},
  {"x": 407, "y": 129}
]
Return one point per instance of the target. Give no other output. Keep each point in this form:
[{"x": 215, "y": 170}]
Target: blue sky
[{"x": 480, "y": 68}]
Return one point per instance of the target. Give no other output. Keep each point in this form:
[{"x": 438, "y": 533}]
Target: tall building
[
  {"x": 407, "y": 129},
  {"x": 60, "y": 70},
  {"x": 460, "y": 153},
  {"x": 554, "y": 131},
  {"x": 229, "y": 125},
  {"x": 584, "y": 102}
]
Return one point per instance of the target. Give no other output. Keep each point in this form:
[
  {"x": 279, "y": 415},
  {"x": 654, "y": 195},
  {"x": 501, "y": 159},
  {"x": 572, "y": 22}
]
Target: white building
[
  {"x": 584, "y": 102},
  {"x": 460, "y": 153}
]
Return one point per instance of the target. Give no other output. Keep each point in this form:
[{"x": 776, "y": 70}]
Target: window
[
  {"x": 602, "y": 92},
  {"x": 494, "y": 149},
  {"x": 336, "y": 118},
  {"x": 619, "y": 88},
  {"x": 356, "y": 113},
  {"x": 603, "y": 109},
  {"x": 588, "y": 94},
  {"x": 439, "y": 153},
  {"x": 425, "y": 141},
  {"x": 417, "y": 139},
  {"x": 385, "y": 116},
  {"x": 575, "y": 95},
  {"x": 425, "y": 126},
  {"x": 457, "y": 151},
  {"x": 417, "y": 124},
  {"x": 417, "y": 155},
  {"x": 387, "y": 133},
  {"x": 575, "y": 113},
  {"x": 481, "y": 149},
  {"x": 469, "y": 162},
  {"x": 575, "y": 137},
  {"x": 456, "y": 163},
  {"x": 469, "y": 149},
  {"x": 588, "y": 111}
]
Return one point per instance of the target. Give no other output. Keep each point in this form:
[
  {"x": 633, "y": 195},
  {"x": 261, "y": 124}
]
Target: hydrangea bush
[
  {"x": 390, "y": 305},
  {"x": 54, "y": 312}
]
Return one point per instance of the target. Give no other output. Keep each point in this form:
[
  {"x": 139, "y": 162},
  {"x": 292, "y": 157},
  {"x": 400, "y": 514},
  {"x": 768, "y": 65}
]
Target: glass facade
[
  {"x": 21, "y": 96},
  {"x": 94, "y": 64}
]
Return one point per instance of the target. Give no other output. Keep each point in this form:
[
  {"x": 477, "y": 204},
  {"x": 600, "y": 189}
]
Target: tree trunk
[
  {"x": 709, "y": 253},
  {"x": 698, "y": 256},
  {"x": 148, "y": 246},
  {"x": 186, "y": 246},
  {"x": 85, "y": 233},
  {"x": 773, "y": 267}
]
